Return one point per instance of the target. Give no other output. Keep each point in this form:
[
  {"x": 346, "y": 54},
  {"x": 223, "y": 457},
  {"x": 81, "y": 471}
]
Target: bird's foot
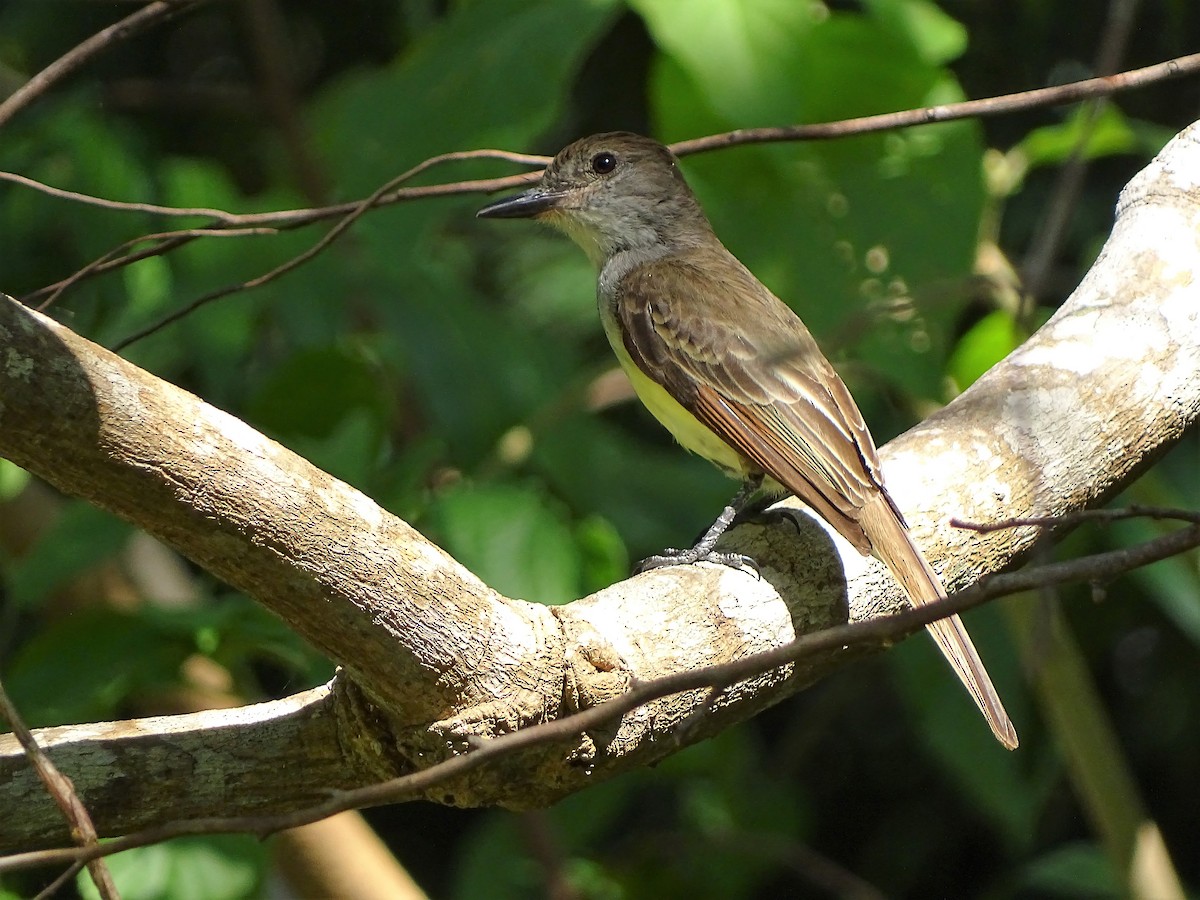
[
  {"x": 703, "y": 551},
  {"x": 698, "y": 554}
]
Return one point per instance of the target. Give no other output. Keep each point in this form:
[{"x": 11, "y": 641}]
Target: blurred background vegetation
[{"x": 455, "y": 371}]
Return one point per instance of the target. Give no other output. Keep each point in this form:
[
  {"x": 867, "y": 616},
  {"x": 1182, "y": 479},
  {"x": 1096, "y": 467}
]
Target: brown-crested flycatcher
[{"x": 728, "y": 368}]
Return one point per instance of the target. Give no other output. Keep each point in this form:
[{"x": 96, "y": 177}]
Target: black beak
[{"x": 524, "y": 205}]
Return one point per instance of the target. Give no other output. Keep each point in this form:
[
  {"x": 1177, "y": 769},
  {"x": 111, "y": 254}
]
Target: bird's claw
[{"x": 693, "y": 555}]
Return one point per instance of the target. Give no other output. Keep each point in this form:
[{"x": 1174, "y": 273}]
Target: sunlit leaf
[
  {"x": 216, "y": 867},
  {"x": 986, "y": 343},
  {"x": 936, "y": 37},
  {"x": 513, "y": 538},
  {"x": 1108, "y": 134},
  {"x": 12, "y": 479}
]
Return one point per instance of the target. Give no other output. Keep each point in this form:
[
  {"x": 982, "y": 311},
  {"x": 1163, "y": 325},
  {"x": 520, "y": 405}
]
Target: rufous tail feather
[{"x": 895, "y": 548}]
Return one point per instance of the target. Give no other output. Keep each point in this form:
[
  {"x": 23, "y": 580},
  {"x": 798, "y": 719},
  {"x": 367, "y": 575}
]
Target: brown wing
[
  {"x": 739, "y": 360},
  {"x": 733, "y": 355}
]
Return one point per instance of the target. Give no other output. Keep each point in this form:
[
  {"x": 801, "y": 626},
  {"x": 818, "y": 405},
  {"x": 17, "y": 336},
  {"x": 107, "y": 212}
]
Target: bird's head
[{"x": 609, "y": 193}]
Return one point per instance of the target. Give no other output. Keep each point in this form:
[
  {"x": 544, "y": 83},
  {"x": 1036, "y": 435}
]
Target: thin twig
[
  {"x": 306, "y": 216},
  {"x": 1083, "y": 515},
  {"x": 286, "y": 220},
  {"x": 991, "y": 106},
  {"x": 151, "y": 14},
  {"x": 1045, "y": 95},
  {"x": 878, "y": 632},
  {"x": 217, "y": 215},
  {"x": 67, "y": 874},
  {"x": 1069, "y": 185},
  {"x": 296, "y": 261},
  {"x": 1005, "y": 103},
  {"x": 295, "y": 218},
  {"x": 62, "y": 792},
  {"x": 166, "y": 241}
]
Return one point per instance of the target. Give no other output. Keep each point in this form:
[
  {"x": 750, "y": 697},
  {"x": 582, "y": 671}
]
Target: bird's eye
[{"x": 603, "y": 163}]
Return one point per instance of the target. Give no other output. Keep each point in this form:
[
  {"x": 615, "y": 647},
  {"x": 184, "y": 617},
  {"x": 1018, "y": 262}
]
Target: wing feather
[{"x": 740, "y": 361}]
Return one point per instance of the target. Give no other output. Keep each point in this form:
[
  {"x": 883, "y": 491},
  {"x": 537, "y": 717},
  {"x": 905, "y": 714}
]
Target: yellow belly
[{"x": 686, "y": 428}]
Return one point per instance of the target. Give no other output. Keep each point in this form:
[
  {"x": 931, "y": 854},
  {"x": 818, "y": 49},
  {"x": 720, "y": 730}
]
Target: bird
[{"x": 729, "y": 368}]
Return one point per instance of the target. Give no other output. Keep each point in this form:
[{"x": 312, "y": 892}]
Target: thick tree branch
[
  {"x": 433, "y": 658},
  {"x": 62, "y": 792},
  {"x": 879, "y": 632}
]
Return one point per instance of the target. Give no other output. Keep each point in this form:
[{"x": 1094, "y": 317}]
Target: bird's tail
[{"x": 894, "y": 547}]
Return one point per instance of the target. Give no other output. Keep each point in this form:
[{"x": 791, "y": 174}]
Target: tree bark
[{"x": 431, "y": 656}]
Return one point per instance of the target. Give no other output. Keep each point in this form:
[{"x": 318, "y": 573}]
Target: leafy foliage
[
  {"x": 198, "y": 868},
  {"x": 454, "y": 370}
]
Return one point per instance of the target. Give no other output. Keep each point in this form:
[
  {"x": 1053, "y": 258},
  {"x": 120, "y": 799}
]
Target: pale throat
[{"x": 602, "y": 242}]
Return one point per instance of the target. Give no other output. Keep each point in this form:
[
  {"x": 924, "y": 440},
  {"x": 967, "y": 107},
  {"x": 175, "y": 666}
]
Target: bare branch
[
  {"x": 281, "y": 218},
  {"x": 286, "y": 219},
  {"x": 296, "y": 261},
  {"x": 949, "y": 112},
  {"x": 1069, "y": 184},
  {"x": 1003, "y": 104},
  {"x": 437, "y": 663},
  {"x": 59, "y": 787},
  {"x": 161, "y": 243},
  {"x": 1083, "y": 515},
  {"x": 874, "y": 633},
  {"x": 151, "y": 14},
  {"x": 217, "y": 215}
]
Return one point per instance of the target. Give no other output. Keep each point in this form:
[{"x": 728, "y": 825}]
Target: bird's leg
[
  {"x": 703, "y": 550},
  {"x": 752, "y": 509}
]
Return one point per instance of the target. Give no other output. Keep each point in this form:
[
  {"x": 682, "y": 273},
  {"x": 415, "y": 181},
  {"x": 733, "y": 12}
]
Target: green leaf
[
  {"x": 582, "y": 820},
  {"x": 512, "y": 538},
  {"x": 486, "y": 375},
  {"x": 80, "y": 538},
  {"x": 1109, "y": 135},
  {"x": 646, "y": 490},
  {"x": 996, "y": 781},
  {"x": 487, "y": 74},
  {"x": 148, "y": 284},
  {"x": 12, "y": 479},
  {"x": 217, "y": 867},
  {"x": 494, "y": 862},
  {"x": 739, "y": 53},
  {"x": 239, "y": 634},
  {"x": 605, "y": 559},
  {"x": 1073, "y": 870},
  {"x": 310, "y": 392},
  {"x": 866, "y": 237},
  {"x": 550, "y": 283},
  {"x": 112, "y": 656},
  {"x": 594, "y": 880},
  {"x": 935, "y": 36},
  {"x": 986, "y": 343}
]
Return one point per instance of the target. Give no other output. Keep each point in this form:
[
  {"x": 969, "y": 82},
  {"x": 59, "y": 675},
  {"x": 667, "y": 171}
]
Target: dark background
[{"x": 450, "y": 368}]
